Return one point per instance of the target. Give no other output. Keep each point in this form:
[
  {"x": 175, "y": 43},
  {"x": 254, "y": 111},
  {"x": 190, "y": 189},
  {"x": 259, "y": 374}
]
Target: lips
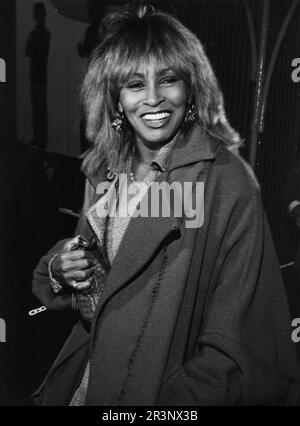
[
  {"x": 155, "y": 120},
  {"x": 156, "y": 116}
]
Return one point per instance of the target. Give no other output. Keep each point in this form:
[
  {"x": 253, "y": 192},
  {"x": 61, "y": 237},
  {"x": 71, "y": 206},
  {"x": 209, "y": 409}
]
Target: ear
[{"x": 120, "y": 107}]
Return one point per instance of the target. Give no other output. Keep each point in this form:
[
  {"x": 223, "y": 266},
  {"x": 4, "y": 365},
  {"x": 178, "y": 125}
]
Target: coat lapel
[{"x": 140, "y": 241}]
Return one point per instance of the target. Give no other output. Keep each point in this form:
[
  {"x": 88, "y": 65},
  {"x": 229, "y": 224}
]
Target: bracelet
[{"x": 55, "y": 285}]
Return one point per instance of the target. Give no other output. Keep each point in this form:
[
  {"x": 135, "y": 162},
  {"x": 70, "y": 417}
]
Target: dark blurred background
[{"x": 46, "y": 50}]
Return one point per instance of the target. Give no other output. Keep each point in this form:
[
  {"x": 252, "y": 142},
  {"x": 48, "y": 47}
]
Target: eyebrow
[{"x": 159, "y": 72}]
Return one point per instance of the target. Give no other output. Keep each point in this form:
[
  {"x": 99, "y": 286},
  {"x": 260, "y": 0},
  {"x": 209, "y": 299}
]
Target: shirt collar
[
  {"x": 160, "y": 161},
  {"x": 163, "y": 156}
]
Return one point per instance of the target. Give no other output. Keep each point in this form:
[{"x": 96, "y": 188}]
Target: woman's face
[{"x": 154, "y": 102}]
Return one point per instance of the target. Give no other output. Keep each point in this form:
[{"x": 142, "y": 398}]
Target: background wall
[
  {"x": 65, "y": 73},
  {"x": 7, "y": 52}
]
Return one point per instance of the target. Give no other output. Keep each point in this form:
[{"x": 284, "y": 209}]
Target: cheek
[
  {"x": 179, "y": 97},
  {"x": 127, "y": 102}
]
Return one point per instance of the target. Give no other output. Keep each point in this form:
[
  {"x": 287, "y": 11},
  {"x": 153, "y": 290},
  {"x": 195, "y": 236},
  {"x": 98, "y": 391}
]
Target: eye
[
  {"x": 135, "y": 85},
  {"x": 170, "y": 79}
]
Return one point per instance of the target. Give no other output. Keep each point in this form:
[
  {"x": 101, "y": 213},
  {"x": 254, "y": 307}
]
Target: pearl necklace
[
  {"x": 133, "y": 181},
  {"x": 132, "y": 177}
]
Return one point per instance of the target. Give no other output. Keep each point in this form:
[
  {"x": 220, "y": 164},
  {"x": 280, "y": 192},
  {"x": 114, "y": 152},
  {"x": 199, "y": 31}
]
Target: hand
[{"x": 77, "y": 266}]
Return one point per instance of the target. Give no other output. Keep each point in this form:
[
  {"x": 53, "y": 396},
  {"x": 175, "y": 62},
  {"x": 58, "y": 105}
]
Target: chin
[{"x": 158, "y": 136}]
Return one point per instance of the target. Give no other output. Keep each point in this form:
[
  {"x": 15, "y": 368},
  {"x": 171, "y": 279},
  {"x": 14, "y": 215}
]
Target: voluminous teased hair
[{"x": 131, "y": 37}]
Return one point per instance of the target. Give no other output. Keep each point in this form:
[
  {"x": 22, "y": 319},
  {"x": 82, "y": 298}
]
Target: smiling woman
[
  {"x": 167, "y": 314},
  {"x": 154, "y": 102},
  {"x": 136, "y": 71}
]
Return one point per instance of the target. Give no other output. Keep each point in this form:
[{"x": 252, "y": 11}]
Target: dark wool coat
[{"x": 188, "y": 316}]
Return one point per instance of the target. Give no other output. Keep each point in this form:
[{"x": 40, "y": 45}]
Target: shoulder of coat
[{"x": 234, "y": 173}]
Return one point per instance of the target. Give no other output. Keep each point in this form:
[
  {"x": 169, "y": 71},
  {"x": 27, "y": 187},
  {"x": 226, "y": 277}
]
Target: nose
[{"x": 153, "y": 95}]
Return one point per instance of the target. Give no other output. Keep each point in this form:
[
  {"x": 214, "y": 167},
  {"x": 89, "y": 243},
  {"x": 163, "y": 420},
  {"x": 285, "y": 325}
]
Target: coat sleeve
[
  {"x": 244, "y": 353},
  {"x": 41, "y": 281}
]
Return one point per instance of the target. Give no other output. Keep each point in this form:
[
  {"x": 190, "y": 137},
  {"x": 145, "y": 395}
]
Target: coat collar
[
  {"x": 189, "y": 148},
  {"x": 193, "y": 147}
]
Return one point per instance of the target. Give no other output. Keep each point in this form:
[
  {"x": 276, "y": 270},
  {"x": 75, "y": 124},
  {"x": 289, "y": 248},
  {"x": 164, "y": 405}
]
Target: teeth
[{"x": 157, "y": 116}]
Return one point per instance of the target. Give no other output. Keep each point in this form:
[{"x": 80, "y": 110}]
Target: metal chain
[{"x": 37, "y": 310}]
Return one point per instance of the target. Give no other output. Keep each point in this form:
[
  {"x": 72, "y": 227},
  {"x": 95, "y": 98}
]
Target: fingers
[
  {"x": 79, "y": 276},
  {"x": 77, "y": 265},
  {"x": 80, "y": 286},
  {"x": 69, "y": 243},
  {"x": 73, "y": 266},
  {"x": 76, "y": 255}
]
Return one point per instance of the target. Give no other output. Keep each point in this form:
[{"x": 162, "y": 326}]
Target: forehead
[{"x": 149, "y": 68}]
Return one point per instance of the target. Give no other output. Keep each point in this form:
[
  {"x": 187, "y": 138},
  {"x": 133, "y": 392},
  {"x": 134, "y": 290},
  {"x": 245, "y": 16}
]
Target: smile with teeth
[{"x": 156, "y": 116}]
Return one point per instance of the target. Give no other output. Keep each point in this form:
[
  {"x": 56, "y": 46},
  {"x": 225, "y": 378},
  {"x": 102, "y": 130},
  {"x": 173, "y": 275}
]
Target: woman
[{"x": 170, "y": 313}]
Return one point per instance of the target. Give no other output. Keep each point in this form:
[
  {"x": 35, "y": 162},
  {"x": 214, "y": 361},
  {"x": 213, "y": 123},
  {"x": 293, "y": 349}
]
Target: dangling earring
[
  {"x": 117, "y": 123},
  {"x": 190, "y": 115}
]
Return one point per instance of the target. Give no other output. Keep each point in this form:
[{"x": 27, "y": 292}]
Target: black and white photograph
[{"x": 150, "y": 205}]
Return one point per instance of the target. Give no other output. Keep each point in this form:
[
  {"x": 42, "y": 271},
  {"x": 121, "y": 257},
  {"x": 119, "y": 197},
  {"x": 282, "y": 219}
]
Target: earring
[
  {"x": 117, "y": 123},
  {"x": 190, "y": 115}
]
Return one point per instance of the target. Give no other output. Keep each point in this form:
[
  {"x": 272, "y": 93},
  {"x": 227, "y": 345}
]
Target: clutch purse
[{"x": 87, "y": 299}]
